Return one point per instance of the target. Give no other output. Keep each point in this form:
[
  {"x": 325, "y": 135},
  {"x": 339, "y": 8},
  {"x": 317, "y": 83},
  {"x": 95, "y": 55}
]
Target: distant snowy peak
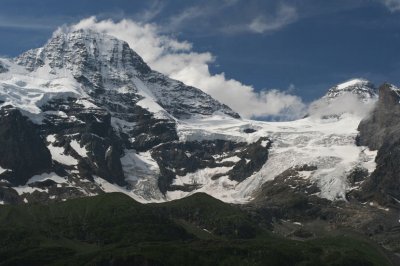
[
  {"x": 362, "y": 88},
  {"x": 392, "y": 87},
  {"x": 103, "y": 65},
  {"x": 356, "y": 97}
]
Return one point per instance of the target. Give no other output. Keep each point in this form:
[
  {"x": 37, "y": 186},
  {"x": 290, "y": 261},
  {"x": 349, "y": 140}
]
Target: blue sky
[{"x": 304, "y": 46}]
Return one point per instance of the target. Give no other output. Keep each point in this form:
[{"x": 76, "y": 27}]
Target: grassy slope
[{"x": 198, "y": 230}]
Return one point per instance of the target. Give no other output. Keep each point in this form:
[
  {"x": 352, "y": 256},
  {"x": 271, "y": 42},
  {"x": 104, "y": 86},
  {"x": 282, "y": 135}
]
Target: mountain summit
[{"x": 104, "y": 65}]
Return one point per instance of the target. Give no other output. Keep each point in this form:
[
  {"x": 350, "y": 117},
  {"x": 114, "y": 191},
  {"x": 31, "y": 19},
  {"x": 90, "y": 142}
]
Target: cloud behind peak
[{"x": 178, "y": 60}]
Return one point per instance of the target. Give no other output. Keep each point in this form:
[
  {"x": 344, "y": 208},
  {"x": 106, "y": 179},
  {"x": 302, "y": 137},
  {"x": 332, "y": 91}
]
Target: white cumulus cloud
[{"x": 178, "y": 60}]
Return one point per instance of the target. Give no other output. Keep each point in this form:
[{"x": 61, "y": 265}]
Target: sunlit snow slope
[{"x": 328, "y": 144}]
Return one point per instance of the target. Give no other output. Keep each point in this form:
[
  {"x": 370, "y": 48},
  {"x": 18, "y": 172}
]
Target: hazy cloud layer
[
  {"x": 392, "y": 5},
  {"x": 285, "y": 15},
  {"x": 267, "y": 22},
  {"x": 346, "y": 103},
  {"x": 178, "y": 60}
]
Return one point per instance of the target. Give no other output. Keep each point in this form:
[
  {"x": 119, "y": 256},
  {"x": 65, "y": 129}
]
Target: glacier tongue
[{"x": 328, "y": 144}]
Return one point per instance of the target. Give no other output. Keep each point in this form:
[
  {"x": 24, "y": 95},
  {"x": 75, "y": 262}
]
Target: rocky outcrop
[
  {"x": 383, "y": 124},
  {"x": 22, "y": 151},
  {"x": 253, "y": 157},
  {"x": 384, "y": 183},
  {"x": 291, "y": 195},
  {"x": 381, "y": 131},
  {"x": 176, "y": 158}
]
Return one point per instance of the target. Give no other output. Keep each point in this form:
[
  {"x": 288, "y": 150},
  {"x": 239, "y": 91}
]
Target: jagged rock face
[
  {"x": 291, "y": 195},
  {"x": 102, "y": 136},
  {"x": 22, "y": 151},
  {"x": 92, "y": 130},
  {"x": 384, "y": 183},
  {"x": 179, "y": 159},
  {"x": 382, "y": 125},
  {"x": 252, "y": 158},
  {"x": 182, "y": 158},
  {"x": 381, "y": 131}
]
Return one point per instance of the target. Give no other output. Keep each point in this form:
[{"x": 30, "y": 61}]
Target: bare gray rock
[
  {"x": 381, "y": 131},
  {"x": 383, "y": 124}
]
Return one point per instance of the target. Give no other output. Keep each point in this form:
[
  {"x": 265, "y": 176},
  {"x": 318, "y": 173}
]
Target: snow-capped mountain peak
[
  {"x": 90, "y": 105},
  {"x": 362, "y": 88},
  {"x": 88, "y": 63},
  {"x": 356, "y": 97},
  {"x": 85, "y": 53}
]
